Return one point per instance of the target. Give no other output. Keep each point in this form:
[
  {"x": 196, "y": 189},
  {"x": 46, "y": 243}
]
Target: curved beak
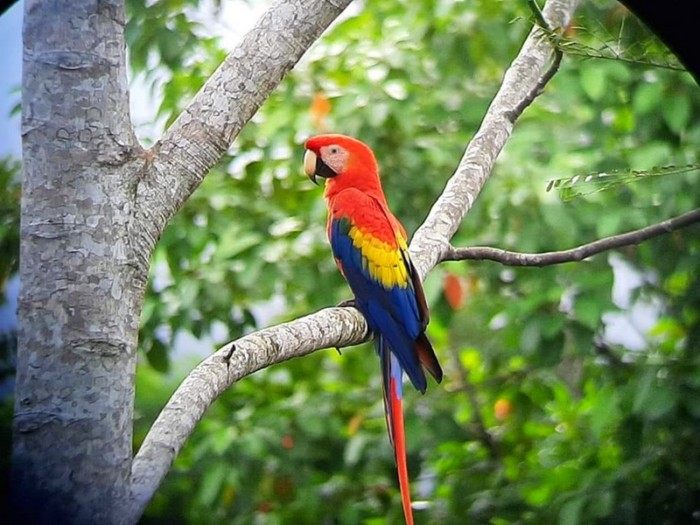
[
  {"x": 315, "y": 167},
  {"x": 310, "y": 160}
]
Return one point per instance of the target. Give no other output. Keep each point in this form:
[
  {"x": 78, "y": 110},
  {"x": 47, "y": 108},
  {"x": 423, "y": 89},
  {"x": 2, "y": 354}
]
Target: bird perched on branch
[{"x": 371, "y": 251}]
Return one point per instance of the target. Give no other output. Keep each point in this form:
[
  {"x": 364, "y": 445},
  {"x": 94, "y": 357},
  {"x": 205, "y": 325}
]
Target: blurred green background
[{"x": 572, "y": 392}]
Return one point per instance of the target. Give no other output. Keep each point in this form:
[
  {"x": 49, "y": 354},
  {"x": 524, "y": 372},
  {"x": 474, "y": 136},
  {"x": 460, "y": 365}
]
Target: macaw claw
[{"x": 346, "y": 303}]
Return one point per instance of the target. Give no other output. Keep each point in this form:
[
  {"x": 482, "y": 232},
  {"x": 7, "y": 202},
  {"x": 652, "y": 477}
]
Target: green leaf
[
  {"x": 653, "y": 399},
  {"x": 648, "y": 97},
  {"x": 624, "y": 120},
  {"x": 601, "y": 505},
  {"x": 676, "y": 111},
  {"x": 157, "y": 356},
  {"x": 354, "y": 449},
  {"x": 588, "y": 310},
  {"x": 593, "y": 81},
  {"x": 211, "y": 483},
  {"x": 605, "y": 412},
  {"x": 570, "y": 513}
]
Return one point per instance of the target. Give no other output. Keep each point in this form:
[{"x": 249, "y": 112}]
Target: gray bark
[
  {"x": 81, "y": 285},
  {"x": 331, "y": 327},
  {"x": 94, "y": 204}
]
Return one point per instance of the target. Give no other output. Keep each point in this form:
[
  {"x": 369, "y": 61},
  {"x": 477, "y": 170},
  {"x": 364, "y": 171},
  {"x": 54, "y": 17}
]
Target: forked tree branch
[
  {"x": 336, "y": 326},
  {"x": 522, "y": 82},
  {"x": 553, "y": 36},
  {"x": 508, "y": 258}
]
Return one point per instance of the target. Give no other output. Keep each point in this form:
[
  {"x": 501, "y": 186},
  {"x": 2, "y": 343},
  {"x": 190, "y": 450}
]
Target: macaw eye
[{"x": 334, "y": 150}]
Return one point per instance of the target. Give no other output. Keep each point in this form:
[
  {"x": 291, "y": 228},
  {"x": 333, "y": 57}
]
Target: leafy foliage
[
  {"x": 9, "y": 262},
  {"x": 9, "y": 218},
  {"x": 543, "y": 416},
  {"x": 547, "y": 414}
]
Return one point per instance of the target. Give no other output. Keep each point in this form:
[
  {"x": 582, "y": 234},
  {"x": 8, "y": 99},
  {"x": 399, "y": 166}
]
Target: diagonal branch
[
  {"x": 331, "y": 327},
  {"x": 508, "y": 258},
  {"x": 554, "y": 38},
  {"x": 334, "y": 326},
  {"x": 522, "y": 79},
  {"x": 202, "y": 133}
]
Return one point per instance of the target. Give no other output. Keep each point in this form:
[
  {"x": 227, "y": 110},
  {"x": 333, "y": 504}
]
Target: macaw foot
[
  {"x": 346, "y": 303},
  {"x": 351, "y": 302}
]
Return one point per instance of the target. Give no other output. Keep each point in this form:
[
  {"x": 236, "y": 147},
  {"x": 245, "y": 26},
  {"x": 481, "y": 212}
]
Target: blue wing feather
[{"x": 392, "y": 312}]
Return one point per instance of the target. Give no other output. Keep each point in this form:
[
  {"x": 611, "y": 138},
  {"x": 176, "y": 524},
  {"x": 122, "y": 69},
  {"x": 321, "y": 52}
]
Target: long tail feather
[
  {"x": 400, "y": 445},
  {"x": 393, "y": 405}
]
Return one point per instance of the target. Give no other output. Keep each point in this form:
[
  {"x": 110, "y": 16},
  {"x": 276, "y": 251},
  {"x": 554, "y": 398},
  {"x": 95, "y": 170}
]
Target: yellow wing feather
[{"x": 383, "y": 262}]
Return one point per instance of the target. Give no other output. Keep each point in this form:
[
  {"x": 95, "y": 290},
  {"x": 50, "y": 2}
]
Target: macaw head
[{"x": 343, "y": 161}]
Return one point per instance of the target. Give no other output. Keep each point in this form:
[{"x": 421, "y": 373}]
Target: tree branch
[
  {"x": 522, "y": 81},
  {"x": 333, "y": 327},
  {"x": 508, "y": 258},
  {"x": 179, "y": 161},
  {"x": 554, "y": 38}
]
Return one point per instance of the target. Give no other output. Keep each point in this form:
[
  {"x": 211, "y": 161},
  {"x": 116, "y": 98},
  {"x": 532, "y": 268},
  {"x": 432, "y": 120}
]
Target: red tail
[
  {"x": 392, "y": 377},
  {"x": 399, "y": 438}
]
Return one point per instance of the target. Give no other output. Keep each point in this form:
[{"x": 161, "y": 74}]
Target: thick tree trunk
[
  {"x": 82, "y": 279},
  {"x": 93, "y": 206}
]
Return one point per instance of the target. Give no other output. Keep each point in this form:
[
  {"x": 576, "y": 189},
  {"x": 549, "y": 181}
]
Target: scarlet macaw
[{"x": 370, "y": 248}]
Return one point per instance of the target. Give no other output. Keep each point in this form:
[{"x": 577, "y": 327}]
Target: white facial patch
[{"x": 335, "y": 157}]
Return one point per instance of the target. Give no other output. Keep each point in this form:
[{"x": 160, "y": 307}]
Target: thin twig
[
  {"x": 536, "y": 91},
  {"x": 514, "y": 113},
  {"x": 539, "y": 16},
  {"x": 508, "y": 258}
]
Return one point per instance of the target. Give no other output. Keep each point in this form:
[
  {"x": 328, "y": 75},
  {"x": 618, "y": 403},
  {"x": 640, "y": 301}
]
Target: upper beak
[
  {"x": 310, "y": 160},
  {"x": 315, "y": 167}
]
